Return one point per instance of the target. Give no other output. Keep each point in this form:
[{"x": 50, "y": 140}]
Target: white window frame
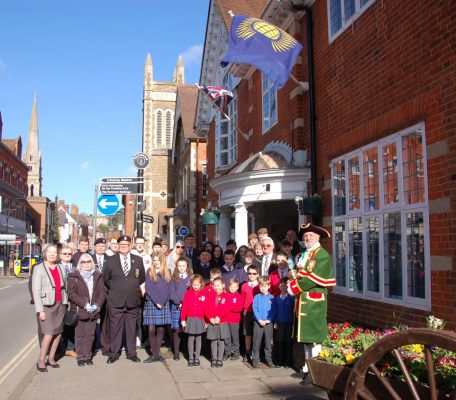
[
  {"x": 231, "y": 136},
  {"x": 346, "y": 22},
  {"x": 159, "y": 127},
  {"x": 399, "y": 207},
  {"x": 168, "y": 128},
  {"x": 271, "y": 93}
]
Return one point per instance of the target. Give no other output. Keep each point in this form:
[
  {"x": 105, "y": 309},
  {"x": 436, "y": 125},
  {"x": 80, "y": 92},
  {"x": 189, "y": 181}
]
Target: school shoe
[
  {"x": 226, "y": 357},
  {"x": 134, "y": 359},
  {"x": 235, "y": 357},
  {"x": 196, "y": 363},
  {"x": 151, "y": 359},
  {"x": 219, "y": 364},
  {"x": 307, "y": 380},
  {"x": 89, "y": 362},
  {"x": 55, "y": 365},
  {"x": 213, "y": 363},
  {"x": 247, "y": 357},
  {"x": 39, "y": 369},
  {"x": 191, "y": 363},
  {"x": 176, "y": 357},
  {"x": 270, "y": 364},
  {"x": 81, "y": 363},
  {"x": 112, "y": 359},
  {"x": 255, "y": 365}
]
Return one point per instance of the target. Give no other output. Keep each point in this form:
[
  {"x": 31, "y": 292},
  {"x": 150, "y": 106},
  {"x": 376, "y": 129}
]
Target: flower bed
[{"x": 346, "y": 343}]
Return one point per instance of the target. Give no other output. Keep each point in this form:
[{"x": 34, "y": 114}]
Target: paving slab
[
  {"x": 277, "y": 371},
  {"x": 235, "y": 388},
  {"x": 192, "y": 391},
  {"x": 239, "y": 371},
  {"x": 193, "y": 374}
]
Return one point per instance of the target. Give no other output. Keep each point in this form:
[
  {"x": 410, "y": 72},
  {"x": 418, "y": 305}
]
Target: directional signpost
[
  {"x": 119, "y": 188},
  {"x": 108, "y": 205},
  {"x": 148, "y": 218}
]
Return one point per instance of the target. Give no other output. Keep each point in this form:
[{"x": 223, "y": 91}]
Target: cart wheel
[{"x": 379, "y": 387}]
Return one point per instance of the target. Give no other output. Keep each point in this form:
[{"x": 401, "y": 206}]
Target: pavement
[{"x": 170, "y": 380}]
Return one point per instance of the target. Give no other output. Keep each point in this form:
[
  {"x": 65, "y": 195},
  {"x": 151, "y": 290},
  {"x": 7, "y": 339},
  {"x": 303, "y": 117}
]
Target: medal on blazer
[
  {"x": 136, "y": 273},
  {"x": 311, "y": 265}
]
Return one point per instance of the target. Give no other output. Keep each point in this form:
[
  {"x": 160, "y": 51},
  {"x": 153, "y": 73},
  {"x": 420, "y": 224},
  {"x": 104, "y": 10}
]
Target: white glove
[
  {"x": 88, "y": 308},
  {"x": 289, "y": 289}
]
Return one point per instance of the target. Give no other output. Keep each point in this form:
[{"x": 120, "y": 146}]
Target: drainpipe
[{"x": 312, "y": 115}]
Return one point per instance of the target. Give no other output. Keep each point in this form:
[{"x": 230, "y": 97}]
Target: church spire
[
  {"x": 178, "y": 76},
  {"x": 32, "y": 156},
  {"x": 148, "y": 73}
]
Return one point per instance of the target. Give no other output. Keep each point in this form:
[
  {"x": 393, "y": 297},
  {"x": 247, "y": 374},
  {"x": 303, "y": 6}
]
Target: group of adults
[{"x": 108, "y": 286}]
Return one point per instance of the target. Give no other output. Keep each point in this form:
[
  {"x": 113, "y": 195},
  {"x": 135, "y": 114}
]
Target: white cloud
[
  {"x": 85, "y": 166},
  {"x": 192, "y": 55}
]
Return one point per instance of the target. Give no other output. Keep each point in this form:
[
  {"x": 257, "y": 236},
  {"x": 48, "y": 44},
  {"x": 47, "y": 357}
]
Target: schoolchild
[
  {"x": 233, "y": 319},
  {"x": 192, "y": 318},
  {"x": 209, "y": 288},
  {"x": 264, "y": 313},
  {"x": 156, "y": 311},
  {"x": 215, "y": 313},
  {"x": 248, "y": 290},
  {"x": 283, "y": 325},
  {"x": 180, "y": 282}
]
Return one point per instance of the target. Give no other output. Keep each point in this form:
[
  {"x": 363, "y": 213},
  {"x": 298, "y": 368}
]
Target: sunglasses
[
  {"x": 179, "y": 247},
  {"x": 66, "y": 254},
  {"x": 252, "y": 273},
  {"x": 86, "y": 262}
]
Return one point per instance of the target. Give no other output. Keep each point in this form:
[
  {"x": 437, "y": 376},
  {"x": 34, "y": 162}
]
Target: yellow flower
[
  {"x": 349, "y": 357},
  {"x": 324, "y": 353}
]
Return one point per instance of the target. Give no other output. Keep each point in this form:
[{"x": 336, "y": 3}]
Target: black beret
[
  {"x": 124, "y": 238},
  {"x": 100, "y": 240}
]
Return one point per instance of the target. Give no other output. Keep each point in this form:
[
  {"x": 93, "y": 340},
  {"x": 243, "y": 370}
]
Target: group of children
[{"x": 188, "y": 305}]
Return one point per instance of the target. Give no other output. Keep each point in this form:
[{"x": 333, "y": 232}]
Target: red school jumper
[
  {"x": 193, "y": 304},
  {"x": 248, "y": 293},
  {"x": 235, "y": 305},
  {"x": 213, "y": 309}
]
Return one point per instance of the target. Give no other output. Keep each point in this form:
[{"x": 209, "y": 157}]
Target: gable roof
[
  {"x": 252, "y": 8},
  {"x": 187, "y": 96}
]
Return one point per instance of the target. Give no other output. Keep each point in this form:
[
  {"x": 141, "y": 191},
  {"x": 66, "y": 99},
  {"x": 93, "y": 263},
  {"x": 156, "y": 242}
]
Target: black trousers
[
  {"x": 84, "y": 333},
  {"x": 120, "y": 319},
  {"x": 232, "y": 343},
  {"x": 259, "y": 332}
]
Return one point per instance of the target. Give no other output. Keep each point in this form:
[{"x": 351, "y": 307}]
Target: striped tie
[
  {"x": 100, "y": 265},
  {"x": 126, "y": 268}
]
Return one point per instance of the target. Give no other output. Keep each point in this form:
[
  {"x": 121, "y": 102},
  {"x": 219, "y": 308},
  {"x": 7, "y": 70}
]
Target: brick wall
[{"x": 394, "y": 67}]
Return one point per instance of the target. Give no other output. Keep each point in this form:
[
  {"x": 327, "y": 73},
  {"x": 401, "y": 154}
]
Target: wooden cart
[{"x": 365, "y": 381}]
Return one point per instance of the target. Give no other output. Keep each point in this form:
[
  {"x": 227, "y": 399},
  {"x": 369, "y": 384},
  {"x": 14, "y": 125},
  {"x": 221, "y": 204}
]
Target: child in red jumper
[
  {"x": 192, "y": 318},
  {"x": 216, "y": 312},
  {"x": 233, "y": 319},
  {"x": 209, "y": 289},
  {"x": 248, "y": 291}
]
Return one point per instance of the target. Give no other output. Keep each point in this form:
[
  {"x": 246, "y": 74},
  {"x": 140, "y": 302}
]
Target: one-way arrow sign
[{"x": 108, "y": 205}]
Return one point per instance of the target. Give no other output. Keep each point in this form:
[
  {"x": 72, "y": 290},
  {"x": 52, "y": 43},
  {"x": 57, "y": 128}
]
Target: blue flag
[{"x": 263, "y": 45}]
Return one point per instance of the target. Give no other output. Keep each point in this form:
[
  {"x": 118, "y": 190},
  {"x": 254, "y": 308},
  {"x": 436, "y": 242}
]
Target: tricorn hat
[{"x": 313, "y": 228}]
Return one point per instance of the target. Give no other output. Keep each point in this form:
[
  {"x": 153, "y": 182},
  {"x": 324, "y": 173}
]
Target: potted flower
[{"x": 346, "y": 343}]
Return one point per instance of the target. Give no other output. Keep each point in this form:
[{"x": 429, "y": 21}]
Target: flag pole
[{"x": 244, "y": 135}]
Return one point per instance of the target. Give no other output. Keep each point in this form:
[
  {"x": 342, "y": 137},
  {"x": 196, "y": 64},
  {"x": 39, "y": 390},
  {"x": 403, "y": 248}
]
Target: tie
[
  {"x": 265, "y": 265},
  {"x": 126, "y": 267},
  {"x": 100, "y": 265},
  {"x": 189, "y": 253}
]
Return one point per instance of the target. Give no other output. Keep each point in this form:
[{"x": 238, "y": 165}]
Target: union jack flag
[{"x": 221, "y": 97}]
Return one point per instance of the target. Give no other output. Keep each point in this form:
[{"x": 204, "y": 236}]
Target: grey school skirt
[
  {"x": 53, "y": 324},
  {"x": 216, "y": 332}
]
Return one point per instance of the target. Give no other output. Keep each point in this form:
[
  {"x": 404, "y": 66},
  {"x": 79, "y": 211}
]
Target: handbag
[{"x": 70, "y": 318}]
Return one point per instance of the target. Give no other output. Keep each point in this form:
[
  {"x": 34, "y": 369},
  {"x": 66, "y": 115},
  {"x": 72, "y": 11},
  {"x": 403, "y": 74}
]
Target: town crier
[{"x": 309, "y": 283}]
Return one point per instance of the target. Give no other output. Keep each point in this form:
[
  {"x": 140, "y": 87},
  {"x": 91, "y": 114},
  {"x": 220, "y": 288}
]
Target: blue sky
[{"x": 85, "y": 60}]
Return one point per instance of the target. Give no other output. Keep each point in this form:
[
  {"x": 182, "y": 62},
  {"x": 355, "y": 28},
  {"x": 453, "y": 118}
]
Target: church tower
[
  {"x": 32, "y": 156},
  {"x": 159, "y": 104}
]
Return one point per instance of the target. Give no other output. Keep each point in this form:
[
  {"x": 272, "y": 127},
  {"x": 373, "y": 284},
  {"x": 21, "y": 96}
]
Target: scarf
[{"x": 88, "y": 279}]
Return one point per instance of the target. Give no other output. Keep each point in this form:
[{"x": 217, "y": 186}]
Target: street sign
[
  {"x": 183, "y": 230},
  {"x": 119, "y": 188},
  {"x": 108, "y": 205},
  {"x": 126, "y": 179},
  {"x": 141, "y": 160},
  {"x": 17, "y": 242},
  {"x": 148, "y": 218}
]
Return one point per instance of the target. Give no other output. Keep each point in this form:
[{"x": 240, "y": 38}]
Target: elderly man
[
  {"x": 123, "y": 275},
  {"x": 268, "y": 258},
  {"x": 310, "y": 286}
]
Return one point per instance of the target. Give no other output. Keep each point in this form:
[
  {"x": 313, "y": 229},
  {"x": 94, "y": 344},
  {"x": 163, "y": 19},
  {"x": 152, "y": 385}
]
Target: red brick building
[{"x": 381, "y": 105}]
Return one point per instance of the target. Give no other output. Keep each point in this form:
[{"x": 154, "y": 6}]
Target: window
[
  {"x": 269, "y": 103},
  {"x": 342, "y": 13},
  {"x": 159, "y": 129},
  {"x": 168, "y": 129},
  {"x": 204, "y": 180},
  {"x": 380, "y": 243},
  {"x": 226, "y": 136}
]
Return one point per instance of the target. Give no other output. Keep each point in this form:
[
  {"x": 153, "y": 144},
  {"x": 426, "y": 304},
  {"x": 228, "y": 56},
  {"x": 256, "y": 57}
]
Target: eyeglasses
[
  {"x": 124, "y": 244},
  {"x": 252, "y": 273},
  {"x": 179, "y": 247},
  {"x": 139, "y": 243},
  {"x": 113, "y": 242},
  {"x": 86, "y": 262},
  {"x": 66, "y": 254}
]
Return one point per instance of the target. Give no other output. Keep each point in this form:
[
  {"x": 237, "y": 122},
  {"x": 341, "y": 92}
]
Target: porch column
[
  {"x": 224, "y": 228},
  {"x": 241, "y": 231},
  {"x": 171, "y": 233}
]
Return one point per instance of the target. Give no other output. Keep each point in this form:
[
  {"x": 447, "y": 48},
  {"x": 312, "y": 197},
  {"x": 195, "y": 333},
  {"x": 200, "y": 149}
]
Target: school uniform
[
  {"x": 192, "y": 313},
  {"x": 233, "y": 319},
  {"x": 284, "y": 318},
  {"x": 228, "y": 273},
  {"x": 275, "y": 278},
  {"x": 248, "y": 291},
  {"x": 217, "y": 306},
  {"x": 177, "y": 292},
  {"x": 157, "y": 293},
  {"x": 204, "y": 270},
  {"x": 263, "y": 309}
]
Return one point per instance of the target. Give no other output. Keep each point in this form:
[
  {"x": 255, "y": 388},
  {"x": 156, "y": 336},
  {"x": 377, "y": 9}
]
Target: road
[{"x": 18, "y": 338}]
